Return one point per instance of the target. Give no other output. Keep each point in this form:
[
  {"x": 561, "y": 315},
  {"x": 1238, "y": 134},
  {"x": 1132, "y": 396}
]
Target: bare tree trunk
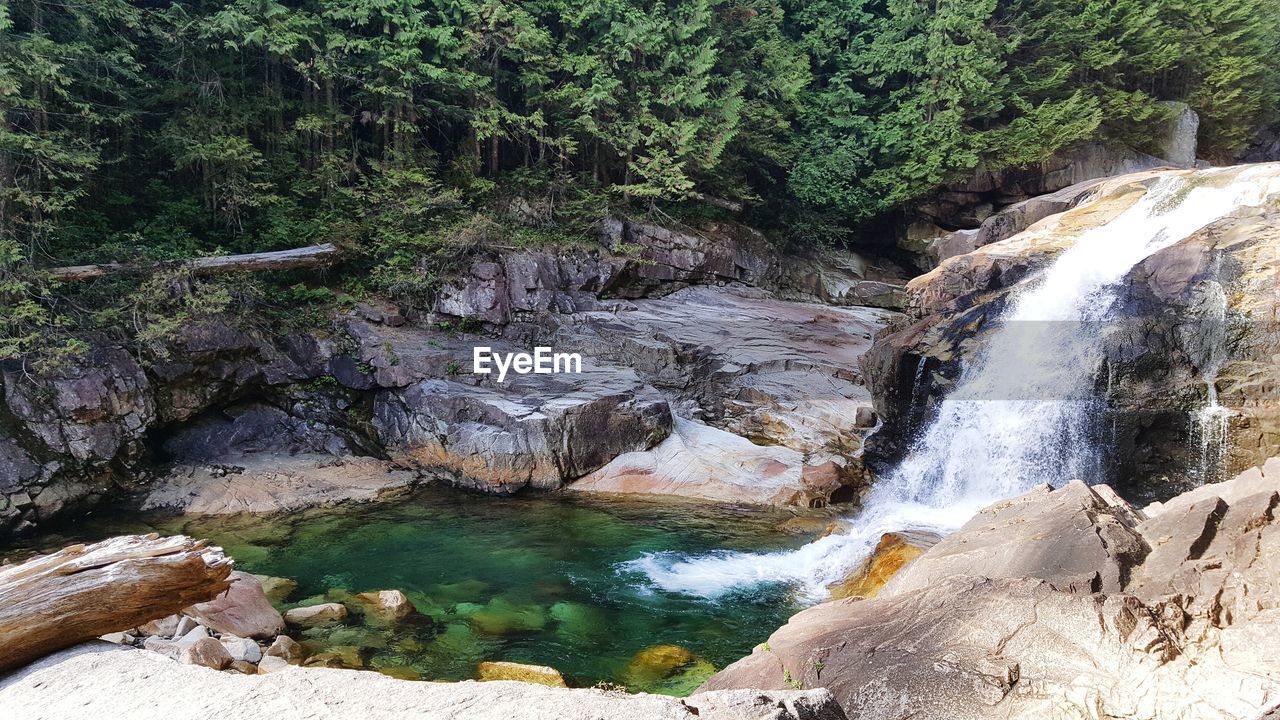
[
  {"x": 55, "y": 601},
  {"x": 306, "y": 257}
]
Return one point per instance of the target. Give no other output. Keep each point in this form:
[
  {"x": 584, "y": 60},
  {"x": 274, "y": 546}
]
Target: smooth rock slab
[
  {"x": 701, "y": 462},
  {"x": 275, "y": 484},
  {"x": 99, "y": 680},
  {"x": 1009, "y": 648},
  {"x": 1076, "y": 537}
]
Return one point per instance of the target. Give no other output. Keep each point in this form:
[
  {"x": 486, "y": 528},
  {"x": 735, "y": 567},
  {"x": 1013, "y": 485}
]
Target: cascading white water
[
  {"x": 1205, "y": 341},
  {"x": 1022, "y": 411}
]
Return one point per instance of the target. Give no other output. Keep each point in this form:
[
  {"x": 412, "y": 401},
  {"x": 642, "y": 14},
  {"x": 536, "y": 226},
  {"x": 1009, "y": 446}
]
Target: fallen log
[
  {"x": 305, "y": 257},
  {"x": 78, "y": 593}
]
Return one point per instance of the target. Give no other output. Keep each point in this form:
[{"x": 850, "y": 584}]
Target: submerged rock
[
  {"x": 501, "y": 617},
  {"x": 399, "y": 672},
  {"x": 667, "y": 669},
  {"x": 337, "y": 656},
  {"x": 893, "y": 552},
  {"x": 537, "y": 674},
  {"x": 277, "y": 589}
]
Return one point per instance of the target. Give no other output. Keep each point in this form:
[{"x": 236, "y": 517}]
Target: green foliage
[{"x": 412, "y": 132}]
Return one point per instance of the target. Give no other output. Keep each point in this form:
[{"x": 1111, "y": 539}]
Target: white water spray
[{"x": 1023, "y": 409}]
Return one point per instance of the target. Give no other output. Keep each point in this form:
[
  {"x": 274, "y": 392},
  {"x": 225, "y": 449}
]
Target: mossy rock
[
  {"x": 337, "y": 656},
  {"x": 536, "y": 674},
  {"x": 461, "y": 591},
  {"x": 357, "y": 636},
  {"x": 467, "y": 609},
  {"x": 308, "y": 601},
  {"x": 503, "y": 617},
  {"x": 458, "y": 641},
  {"x": 667, "y": 669},
  {"x": 892, "y": 553},
  {"x": 578, "y": 620},
  {"x": 400, "y": 672}
]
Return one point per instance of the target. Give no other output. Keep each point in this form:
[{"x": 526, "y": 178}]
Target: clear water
[
  {"x": 1023, "y": 410},
  {"x": 531, "y": 580}
]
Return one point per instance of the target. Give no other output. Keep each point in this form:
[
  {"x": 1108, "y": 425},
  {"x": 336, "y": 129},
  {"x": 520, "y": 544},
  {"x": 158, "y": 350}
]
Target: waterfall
[
  {"x": 1022, "y": 412},
  {"x": 1205, "y": 342}
]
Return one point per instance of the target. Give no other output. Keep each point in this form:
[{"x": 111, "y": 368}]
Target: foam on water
[{"x": 1022, "y": 411}]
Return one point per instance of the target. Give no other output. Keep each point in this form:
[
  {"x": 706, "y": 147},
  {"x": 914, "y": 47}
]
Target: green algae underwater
[{"x": 533, "y": 579}]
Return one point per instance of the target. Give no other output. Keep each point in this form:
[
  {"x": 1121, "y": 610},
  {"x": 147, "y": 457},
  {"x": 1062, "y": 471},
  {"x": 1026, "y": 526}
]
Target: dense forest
[{"x": 138, "y": 130}]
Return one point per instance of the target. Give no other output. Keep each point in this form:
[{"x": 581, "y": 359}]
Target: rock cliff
[{"x": 685, "y": 324}]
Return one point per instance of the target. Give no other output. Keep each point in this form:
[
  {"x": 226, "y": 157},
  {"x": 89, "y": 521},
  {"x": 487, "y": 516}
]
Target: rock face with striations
[
  {"x": 1060, "y": 603},
  {"x": 671, "y": 322}
]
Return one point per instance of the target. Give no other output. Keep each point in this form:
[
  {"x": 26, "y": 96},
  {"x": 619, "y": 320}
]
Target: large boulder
[
  {"x": 1059, "y": 603},
  {"x": 531, "y": 431},
  {"x": 243, "y": 610}
]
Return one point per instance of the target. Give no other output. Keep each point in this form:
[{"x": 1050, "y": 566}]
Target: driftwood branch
[
  {"x": 83, "y": 591},
  {"x": 310, "y": 256}
]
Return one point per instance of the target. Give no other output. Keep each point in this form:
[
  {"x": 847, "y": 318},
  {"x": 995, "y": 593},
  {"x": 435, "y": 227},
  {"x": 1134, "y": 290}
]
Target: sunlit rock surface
[
  {"x": 1000, "y": 620},
  {"x": 102, "y": 680}
]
